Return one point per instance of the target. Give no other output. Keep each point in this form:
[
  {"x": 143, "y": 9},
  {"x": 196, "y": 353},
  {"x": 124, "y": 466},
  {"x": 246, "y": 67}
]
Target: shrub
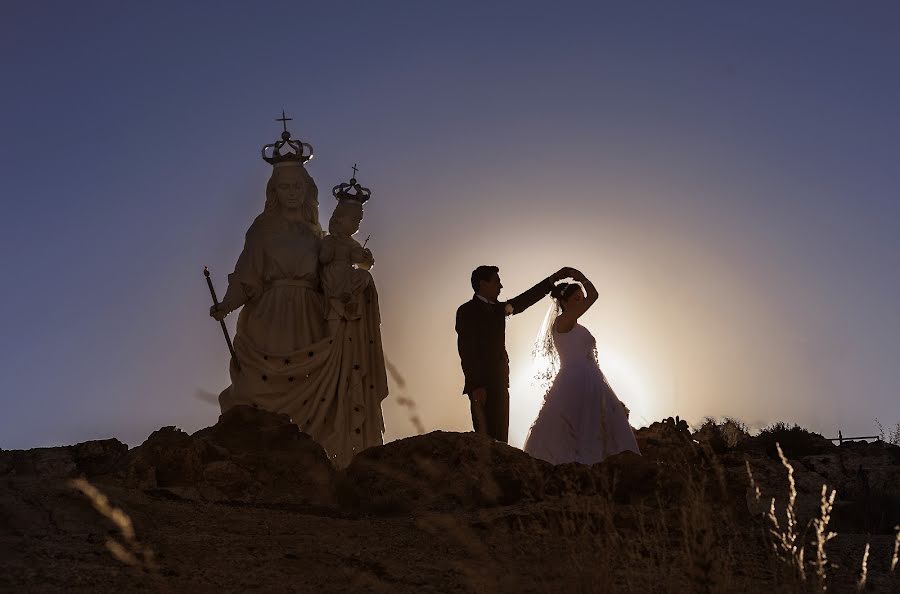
[
  {"x": 721, "y": 435},
  {"x": 795, "y": 441},
  {"x": 892, "y": 437}
]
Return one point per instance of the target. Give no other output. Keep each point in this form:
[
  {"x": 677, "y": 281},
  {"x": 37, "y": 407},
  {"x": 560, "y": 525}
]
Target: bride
[{"x": 582, "y": 419}]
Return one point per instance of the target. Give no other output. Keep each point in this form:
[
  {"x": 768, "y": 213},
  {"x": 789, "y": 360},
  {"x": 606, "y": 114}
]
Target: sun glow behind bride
[
  {"x": 629, "y": 384},
  {"x": 634, "y": 388}
]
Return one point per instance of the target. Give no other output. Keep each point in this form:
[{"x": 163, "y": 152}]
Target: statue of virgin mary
[{"x": 289, "y": 358}]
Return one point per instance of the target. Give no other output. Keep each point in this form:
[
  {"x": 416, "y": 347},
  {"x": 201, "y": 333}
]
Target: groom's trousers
[{"x": 492, "y": 417}]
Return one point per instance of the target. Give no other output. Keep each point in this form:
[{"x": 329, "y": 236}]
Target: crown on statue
[
  {"x": 295, "y": 153},
  {"x": 352, "y": 191}
]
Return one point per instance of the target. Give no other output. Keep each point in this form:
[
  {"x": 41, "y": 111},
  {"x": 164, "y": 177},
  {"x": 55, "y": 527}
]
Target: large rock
[
  {"x": 91, "y": 458},
  {"x": 441, "y": 471},
  {"x": 249, "y": 455}
]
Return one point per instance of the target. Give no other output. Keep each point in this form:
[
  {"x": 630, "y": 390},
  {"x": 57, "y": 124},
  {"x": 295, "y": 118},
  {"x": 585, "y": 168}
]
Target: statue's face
[
  {"x": 290, "y": 188},
  {"x": 346, "y": 219}
]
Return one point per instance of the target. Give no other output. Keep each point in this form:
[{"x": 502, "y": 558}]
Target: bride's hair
[
  {"x": 562, "y": 291},
  {"x": 544, "y": 353}
]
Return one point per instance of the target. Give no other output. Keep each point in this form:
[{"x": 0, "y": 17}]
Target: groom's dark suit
[{"x": 481, "y": 339}]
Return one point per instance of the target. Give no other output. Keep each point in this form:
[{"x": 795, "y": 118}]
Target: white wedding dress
[{"x": 582, "y": 419}]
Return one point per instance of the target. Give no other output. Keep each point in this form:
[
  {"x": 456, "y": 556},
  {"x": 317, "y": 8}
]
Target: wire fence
[{"x": 841, "y": 439}]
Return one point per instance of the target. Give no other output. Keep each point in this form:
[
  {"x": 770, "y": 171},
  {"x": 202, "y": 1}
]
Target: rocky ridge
[{"x": 253, "y": 503}]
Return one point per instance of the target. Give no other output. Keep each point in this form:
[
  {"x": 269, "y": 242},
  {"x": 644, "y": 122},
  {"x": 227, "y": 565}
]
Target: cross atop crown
[
  {"x": 296, "y": 153},
  {"x": 359, "y": 194},
  {"x": 284, "y": 120}
]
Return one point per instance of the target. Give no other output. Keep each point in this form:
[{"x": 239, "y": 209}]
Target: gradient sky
[{"x": 726, "y": 173}]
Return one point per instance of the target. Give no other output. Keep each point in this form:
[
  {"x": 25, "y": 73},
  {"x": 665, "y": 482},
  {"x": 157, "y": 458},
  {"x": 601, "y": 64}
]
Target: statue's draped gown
[
  {"x": 329, "y": 381},
  {"x": 582, "y": 419}
]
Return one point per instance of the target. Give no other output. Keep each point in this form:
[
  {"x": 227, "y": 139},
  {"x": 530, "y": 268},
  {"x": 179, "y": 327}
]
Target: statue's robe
[
  {"x": 328, "y": 376},
  {"x": 362, "y": 379}
]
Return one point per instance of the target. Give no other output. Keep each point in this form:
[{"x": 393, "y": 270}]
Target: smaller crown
[
  {"x": 297, "y": 152},
  {"x": 359, "y": 194}
]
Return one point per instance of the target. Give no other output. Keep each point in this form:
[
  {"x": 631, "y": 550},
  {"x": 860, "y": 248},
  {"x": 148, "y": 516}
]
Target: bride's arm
[
  {"x": 592, "y": 293},
  {"x": 574, "y": 310},
  {"x": 578, "y": 309}
]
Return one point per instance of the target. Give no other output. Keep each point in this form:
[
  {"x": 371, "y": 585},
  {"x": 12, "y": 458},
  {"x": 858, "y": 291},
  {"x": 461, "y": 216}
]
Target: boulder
[
  {"x": 91, "y": 459},
  {"x": 441, "y": 471},
  {"x": 249, "y": 455}
]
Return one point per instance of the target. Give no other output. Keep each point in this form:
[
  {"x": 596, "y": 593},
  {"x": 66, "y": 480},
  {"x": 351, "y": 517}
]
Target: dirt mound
[
  {"x": 91, "y": 458},
  {"x": 441, "y": 471},
  {"x": 248, "y": 455}
]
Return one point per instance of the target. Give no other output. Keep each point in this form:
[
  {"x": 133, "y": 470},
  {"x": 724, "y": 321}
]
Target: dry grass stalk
[
  {"x": 410, "y": 405},
  {"x": 864, "y": 570},
  {"x": 823, "y": 535},
  {"x": 130, "y": 551},
  {"x": 893, "y": 437},
  {"x": 406, "y": 402},
  {"x": 753, "y": 486},
  {"x": 786, "y": 541},
  {"x": 896, "y": 556}
]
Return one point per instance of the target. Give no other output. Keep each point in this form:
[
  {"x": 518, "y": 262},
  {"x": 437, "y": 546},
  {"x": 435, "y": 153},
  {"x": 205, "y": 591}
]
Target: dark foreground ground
[{"x": 252, "y": 504}]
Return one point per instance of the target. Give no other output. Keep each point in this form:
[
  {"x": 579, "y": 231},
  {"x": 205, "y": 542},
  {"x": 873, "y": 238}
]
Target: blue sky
[{"x": 725, "y": 173}]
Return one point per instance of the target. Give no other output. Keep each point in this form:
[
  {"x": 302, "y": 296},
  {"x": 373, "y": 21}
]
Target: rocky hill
[{"x": 252, "y": 503}]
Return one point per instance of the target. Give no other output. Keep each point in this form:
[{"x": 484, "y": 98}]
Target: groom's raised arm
[{"x": 522, "y": 302}]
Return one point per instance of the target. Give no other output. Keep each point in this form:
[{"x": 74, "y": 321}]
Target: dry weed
[
  {"x": 896, "y": 555},
  {"x": 128, "y": 550},
  {"x": 822, "y": 536},
  {"x": 405, "y": 401},
  {"x": 786, "y": 541},
  {"x": 864, "y": 570},
  {"x": 893, "y": 437}
]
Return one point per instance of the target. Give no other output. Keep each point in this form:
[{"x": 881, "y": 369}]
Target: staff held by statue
[{"x": 212, "y": 291}]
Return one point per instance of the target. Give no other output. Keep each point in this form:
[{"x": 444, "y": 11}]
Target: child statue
[
  {"x": 345, "y": 263},
  {"x": 353, "y": 316}
]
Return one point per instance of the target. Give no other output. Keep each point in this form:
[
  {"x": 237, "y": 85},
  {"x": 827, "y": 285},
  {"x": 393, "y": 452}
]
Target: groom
[{"x": 481, "y": 339}]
